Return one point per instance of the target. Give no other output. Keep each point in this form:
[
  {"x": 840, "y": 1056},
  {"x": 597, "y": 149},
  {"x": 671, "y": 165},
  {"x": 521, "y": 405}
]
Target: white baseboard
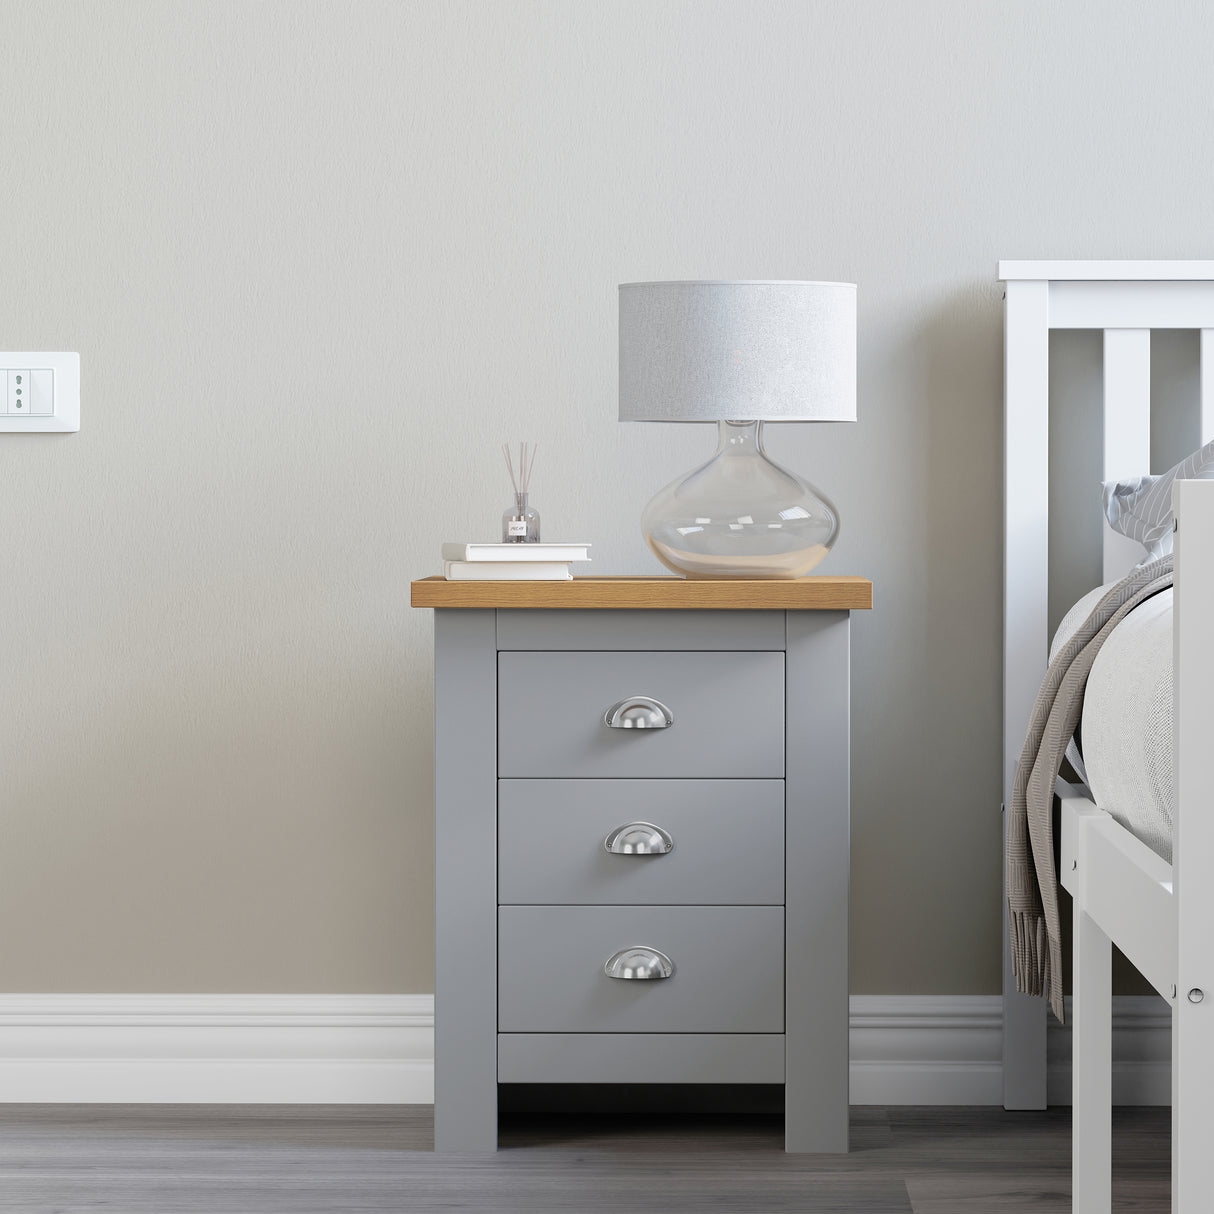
[
  {"x": 217, "y": 1049},
  {"x": 379, "y": 1049},
  {"x": 949, "y": 1050},
  {"x": 926, "y": 1049},
  {"x": 1142, "y": 1052}
]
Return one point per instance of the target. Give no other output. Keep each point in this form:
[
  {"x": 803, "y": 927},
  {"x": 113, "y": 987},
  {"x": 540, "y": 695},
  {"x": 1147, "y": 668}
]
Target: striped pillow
[{"x": 1142, "y": 508}]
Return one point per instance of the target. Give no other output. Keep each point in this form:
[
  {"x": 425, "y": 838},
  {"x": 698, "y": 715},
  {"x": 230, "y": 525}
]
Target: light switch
[
  {"x": 39, "y": 392},
  {"x": 42, "y": 392}
]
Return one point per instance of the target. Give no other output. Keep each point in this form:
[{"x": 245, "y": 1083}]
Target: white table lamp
[{"x": 739, "y": 354}]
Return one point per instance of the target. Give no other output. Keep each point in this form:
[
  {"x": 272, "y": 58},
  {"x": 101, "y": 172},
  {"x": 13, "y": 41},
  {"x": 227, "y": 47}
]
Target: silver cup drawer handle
[
  {"x": 638, "y": 839},
  {"x": 639, "y": 963},
  {"x": 638, "y": 712}
]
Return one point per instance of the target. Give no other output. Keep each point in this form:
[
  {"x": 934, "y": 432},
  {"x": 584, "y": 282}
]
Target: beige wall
[{"x": 321, "y": 259}]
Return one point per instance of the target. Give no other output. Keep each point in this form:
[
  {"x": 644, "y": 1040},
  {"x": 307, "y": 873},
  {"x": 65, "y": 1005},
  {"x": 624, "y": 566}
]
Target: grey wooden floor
[{"x": 178, "y": 1159}]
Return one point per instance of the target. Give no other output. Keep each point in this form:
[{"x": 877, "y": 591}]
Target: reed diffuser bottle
[{"x": 521, "y": 523}]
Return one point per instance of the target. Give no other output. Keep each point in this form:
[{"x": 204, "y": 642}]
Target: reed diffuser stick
[
  {"x": 522, "y": 524},
  {"x": 509, "y": 467},
  {"x": 526, "y": 465}
]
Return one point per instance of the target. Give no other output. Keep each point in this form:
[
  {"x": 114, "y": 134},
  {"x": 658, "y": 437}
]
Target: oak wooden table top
[{"x": 792, "y": 594}]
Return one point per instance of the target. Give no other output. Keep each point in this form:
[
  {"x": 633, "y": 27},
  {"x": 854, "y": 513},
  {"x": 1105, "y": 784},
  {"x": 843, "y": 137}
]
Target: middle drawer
[{"x": 726, "y": 837}]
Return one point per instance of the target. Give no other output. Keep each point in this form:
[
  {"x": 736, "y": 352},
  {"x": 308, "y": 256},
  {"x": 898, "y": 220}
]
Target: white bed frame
[{"x": 1161, "y": 916}]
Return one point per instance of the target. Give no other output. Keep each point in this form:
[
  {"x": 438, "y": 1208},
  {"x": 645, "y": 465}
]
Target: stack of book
[{"x": 512, "y": 562}]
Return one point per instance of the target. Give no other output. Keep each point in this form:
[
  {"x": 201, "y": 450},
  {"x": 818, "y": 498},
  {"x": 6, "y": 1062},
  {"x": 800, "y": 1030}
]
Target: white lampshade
[{"x": 724, "y": 351}]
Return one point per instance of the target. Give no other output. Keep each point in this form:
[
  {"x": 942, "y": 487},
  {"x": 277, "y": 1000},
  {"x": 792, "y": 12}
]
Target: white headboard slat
[
  {"x": 1207, "y": 385},
  {"x": 1127, "y": 430}
]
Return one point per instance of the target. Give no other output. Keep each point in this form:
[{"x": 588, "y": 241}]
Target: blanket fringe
[{"x": 1033, "y": 959}]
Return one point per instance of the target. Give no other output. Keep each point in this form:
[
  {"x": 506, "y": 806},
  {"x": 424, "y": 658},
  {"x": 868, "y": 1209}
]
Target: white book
[
  {"x": 516, "y": 552},
  {"x": 507, "y": 571}
]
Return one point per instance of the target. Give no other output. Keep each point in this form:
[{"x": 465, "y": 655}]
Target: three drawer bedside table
[{"x": 641, "y": 841}]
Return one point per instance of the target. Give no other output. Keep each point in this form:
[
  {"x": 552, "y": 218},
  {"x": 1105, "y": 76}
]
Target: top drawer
[{"x": 727, "y": 713}]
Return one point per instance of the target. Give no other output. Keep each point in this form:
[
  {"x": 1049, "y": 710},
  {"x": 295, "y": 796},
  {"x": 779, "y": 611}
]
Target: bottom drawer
[
  {"x": 728, "y": 969},
  {"x": 640, "y": 1058}
]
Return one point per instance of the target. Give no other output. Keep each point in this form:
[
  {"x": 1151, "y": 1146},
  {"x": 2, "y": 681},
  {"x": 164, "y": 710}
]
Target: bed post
[
  {"x": 1025, "y": 622},
  {"x": 1193, "y": 849}
]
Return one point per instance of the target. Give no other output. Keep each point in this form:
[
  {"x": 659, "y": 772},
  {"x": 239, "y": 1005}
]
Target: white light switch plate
[{"x": 39, "y": 393}]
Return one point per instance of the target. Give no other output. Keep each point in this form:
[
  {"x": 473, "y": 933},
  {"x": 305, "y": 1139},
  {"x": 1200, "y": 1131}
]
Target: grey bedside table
[{"x": 641, "y": 837}]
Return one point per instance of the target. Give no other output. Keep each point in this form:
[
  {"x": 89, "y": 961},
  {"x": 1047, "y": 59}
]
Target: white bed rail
[{"x": 1121, "y": 885}]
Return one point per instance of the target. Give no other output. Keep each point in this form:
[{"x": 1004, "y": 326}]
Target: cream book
[
  {"x": 507, "y": 571},
  {"x": 516, "y": 552}
]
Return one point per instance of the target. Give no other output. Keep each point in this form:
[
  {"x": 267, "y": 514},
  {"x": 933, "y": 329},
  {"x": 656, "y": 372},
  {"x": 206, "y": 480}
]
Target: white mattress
[{"x": 1125, "y": 736}]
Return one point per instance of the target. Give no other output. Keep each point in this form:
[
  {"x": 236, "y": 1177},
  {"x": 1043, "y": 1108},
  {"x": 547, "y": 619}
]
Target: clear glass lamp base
[{"x": 740, "y": 515}]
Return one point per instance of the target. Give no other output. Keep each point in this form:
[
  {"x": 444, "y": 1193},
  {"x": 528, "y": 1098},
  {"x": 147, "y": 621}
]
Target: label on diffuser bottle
[{"x": 517, "y": 526}]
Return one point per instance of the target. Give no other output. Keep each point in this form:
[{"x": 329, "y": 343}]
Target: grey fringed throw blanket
[{"x": 1032, "y": 882}]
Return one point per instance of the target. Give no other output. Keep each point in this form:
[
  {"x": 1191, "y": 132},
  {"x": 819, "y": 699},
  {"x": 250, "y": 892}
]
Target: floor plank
[{"x": 192, "y": 1159}]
